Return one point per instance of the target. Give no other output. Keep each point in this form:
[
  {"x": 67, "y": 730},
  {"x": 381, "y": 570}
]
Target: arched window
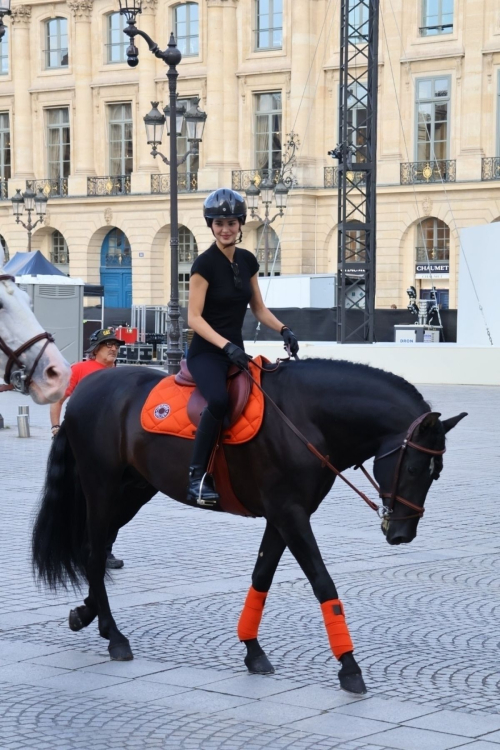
[
  {"x": 56, "y": 43},
  {"x": 6, "y": 255},
  {"x": 118, "y": 252},
  {"x": 433, "y": 241},
  {"x": 273, "y": 265},
  {"x": 116, "y": 41},
  {"x": 59, "y": 255},
  {"x": 4, "y": 53},
  {"x": 188, "y": 251},
  {"x": 187, "y": 29}
]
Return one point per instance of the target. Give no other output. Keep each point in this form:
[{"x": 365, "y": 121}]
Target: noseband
[
  {"x": 386, "y": 510},
  {"x": 19, "y": 379}
]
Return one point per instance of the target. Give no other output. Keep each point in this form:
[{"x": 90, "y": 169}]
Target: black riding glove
[
  {"x": 236, "y": 355},
  {"x": 290, "y": 340}
]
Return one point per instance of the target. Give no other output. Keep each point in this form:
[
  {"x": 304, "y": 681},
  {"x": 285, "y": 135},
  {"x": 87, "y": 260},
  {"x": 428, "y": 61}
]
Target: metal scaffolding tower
[{"x": 357, "y": 155}]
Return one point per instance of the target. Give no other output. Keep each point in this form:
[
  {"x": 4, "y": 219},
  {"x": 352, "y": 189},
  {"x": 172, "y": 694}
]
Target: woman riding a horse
[{"x": 224, "y": 280}]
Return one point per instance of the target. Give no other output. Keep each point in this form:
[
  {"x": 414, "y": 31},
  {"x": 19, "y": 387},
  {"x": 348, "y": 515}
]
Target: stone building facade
[{"x": 71, "y": 121}]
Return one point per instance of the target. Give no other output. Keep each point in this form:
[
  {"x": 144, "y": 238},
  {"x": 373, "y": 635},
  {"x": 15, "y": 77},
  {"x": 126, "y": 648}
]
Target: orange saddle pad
[{"x": 165, "y": 410}]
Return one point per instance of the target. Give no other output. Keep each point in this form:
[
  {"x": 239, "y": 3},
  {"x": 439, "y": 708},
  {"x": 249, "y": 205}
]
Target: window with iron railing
[
  {"x": 432, "y": 105},
  {"x": 437, "y": 17},
  {"x": 120, "y": 139},
  {"x": 58, "y": 143},
  {"x": 432, "y": 241},
  {"x": 268, "y": 131},
  {"x": 59, "y": 255},
  {"x": 188, "y": 252},
  {"x": 4, "y": 146}
]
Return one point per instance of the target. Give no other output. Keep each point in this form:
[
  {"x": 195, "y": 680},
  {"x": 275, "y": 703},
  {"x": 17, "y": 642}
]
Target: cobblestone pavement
[{"x": 424, "y": 618}]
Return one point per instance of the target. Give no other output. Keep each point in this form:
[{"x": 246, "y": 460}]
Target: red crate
[{"x": 128, "y": 335}]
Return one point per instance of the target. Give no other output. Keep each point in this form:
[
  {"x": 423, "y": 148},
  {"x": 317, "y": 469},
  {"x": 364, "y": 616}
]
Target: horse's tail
[{"x": 59, "y": 533}]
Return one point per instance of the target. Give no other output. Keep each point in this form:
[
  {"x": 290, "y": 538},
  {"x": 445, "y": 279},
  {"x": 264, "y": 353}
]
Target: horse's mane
[{"x": 357, "y": 368}]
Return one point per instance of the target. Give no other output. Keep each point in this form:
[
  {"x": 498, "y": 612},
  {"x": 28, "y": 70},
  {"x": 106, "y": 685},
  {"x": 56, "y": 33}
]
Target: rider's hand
[
  {"x": 236, "y": 355},
  {"x": 54, "y": 430},
  {"x": 290, "y": 340}
]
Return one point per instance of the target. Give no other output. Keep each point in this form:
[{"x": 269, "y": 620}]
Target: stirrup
[{"x": 200, "y": 500}]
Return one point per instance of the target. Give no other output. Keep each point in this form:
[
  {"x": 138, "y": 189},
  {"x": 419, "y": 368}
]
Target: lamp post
[
  {"x": 155, "y": 121},
  {"x": 267, "y": 189},
  {"x": 29, "y": 202},
  {"x": 4, "y": 11}
]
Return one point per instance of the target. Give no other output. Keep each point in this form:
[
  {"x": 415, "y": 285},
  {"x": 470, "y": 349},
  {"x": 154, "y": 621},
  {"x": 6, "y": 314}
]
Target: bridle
[
  {"x": 386, "y": 510},
  {"x": 383, "y": 511},
  {"x": 18, "y": 379}
]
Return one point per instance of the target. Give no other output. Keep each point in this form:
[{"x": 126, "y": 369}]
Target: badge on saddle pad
[{"x": 162, "y": 411}]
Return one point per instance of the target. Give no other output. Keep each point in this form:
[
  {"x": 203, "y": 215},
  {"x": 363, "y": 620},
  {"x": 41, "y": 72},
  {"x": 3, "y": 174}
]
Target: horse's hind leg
[
  {"x": 270, "y": 552},
  {"x": 295, "y": 528}
]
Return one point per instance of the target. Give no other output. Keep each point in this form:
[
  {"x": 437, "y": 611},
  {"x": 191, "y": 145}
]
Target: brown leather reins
[
  {"x": 384, "y": 511},
  {"x": 18, "y": 379}
]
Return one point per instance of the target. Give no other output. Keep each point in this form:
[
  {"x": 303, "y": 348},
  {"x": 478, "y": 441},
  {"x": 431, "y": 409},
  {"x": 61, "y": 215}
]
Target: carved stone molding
[
  {"x": 81, "y": 9},
  {"x": 21, "y": 15},
  {"x": 47, "y": 219},
  {"x": 222, "y": 3},
  {"x": 149, "y": 5},
  {"x": 426, "y": 207},
  {"x": 459, "y": 66},
  {"x": 108, "y": 215},
  {"x": 488, "y": 59}
]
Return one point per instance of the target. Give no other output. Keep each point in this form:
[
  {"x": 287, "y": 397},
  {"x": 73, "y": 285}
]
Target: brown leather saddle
[{"x": 238, "y": 387}]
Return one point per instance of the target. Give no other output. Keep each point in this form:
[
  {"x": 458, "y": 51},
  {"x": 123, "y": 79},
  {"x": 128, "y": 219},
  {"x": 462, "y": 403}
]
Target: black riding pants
[{"x": 209, "y": 370}]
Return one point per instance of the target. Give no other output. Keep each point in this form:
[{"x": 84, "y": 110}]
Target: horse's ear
[
  {"x": 452, "y": 422},
  {"x": 429, "y": 422}
]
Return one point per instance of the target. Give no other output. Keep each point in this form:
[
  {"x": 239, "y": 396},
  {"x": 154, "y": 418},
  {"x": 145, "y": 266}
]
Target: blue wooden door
[{"x": 116, "y": 270}]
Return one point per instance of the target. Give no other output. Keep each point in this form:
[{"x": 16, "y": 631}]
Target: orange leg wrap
[
  {"x": 336, "y": 627},
  {"x": 248, "y": 625}
]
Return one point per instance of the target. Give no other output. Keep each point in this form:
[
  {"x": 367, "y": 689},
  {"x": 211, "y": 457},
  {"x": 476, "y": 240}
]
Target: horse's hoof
[
  {"x": 259, "y": 665},
  {"x": 120, "y": 651},
  {"x": 353, "y": 683},
  {"x": 75, "y": 621}
]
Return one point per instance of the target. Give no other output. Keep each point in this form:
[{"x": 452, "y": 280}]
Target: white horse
[{"x": 38, "y": 369}]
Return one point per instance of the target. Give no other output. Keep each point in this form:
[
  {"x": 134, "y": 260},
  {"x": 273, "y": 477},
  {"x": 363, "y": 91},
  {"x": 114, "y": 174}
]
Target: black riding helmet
[{"x": 224, "y": 204}]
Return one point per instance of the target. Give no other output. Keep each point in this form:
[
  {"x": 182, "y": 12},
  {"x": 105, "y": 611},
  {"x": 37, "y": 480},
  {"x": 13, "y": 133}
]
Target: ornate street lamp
[
  {"x": 4, "y": 11},
  {"x": 267, "y": 189},
  {"x": 29, "y": 202},
  {"x": 154, "y": 121}
]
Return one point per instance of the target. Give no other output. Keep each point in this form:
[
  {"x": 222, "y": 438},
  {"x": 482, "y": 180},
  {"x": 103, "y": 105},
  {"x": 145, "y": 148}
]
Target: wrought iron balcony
[
  {"x": 4, "y": 194},
  {"x": 111, "y": 185},
  {"x": 51, "y": 187},
  {"x": 331, "y": 178},
  {"x": 430, "y": 254},
  {"x": 424, "y": 172},
  {"x": 490, "y": 168},
  {"x": 241, "y": 179},
  {"x": 186, "y": 183}
]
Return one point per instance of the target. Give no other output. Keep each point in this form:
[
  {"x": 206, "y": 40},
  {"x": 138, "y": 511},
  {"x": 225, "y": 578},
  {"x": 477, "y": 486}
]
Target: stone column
[
  {"x": 470, "y": 90},
  {"x": 83, "y": 124},
  {"x": 301, "y": 91},
  {"x": 144, "y": 162},
  {"x": 220, "y": 142},
  {"x": 23, "y": 124}
]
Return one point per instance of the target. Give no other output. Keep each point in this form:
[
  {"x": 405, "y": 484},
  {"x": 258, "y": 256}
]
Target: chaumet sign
[{"x": 434, "y": 270}]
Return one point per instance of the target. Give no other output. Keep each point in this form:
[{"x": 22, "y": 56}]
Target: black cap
[{"x": 103, "y": 334}]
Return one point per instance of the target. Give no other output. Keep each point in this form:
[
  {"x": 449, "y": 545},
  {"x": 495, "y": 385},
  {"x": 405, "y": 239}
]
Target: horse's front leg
[
  {"x": 295, "y": 528},
  {"x": 270, "y": 552}
]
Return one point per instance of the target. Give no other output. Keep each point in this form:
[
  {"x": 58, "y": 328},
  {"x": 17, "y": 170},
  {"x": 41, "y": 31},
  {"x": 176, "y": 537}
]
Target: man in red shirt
[{"x": 102, "y": 352}]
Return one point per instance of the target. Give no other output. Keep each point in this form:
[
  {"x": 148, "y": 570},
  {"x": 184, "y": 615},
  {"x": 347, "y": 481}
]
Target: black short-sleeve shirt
[{"x": 225, "y": 305}]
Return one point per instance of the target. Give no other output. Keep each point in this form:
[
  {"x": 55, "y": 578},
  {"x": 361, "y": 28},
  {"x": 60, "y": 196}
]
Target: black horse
[{"x": 103, "y": 467}]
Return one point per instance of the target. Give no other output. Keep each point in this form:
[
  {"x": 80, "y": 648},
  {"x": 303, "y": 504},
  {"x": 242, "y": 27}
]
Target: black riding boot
[{"x": 201, "y": 485}]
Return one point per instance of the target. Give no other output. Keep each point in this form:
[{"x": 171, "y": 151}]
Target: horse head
[
  {"x": 405, "y": 468},
  {"x": 18, "y": 325}
]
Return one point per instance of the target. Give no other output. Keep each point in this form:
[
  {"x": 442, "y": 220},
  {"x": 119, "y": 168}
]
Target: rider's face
[{"x": 226, "y": 231}]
